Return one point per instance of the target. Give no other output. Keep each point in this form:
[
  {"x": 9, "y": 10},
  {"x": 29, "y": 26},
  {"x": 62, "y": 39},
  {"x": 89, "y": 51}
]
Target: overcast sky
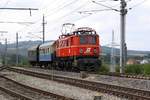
[{"x": 58, "y": 12}]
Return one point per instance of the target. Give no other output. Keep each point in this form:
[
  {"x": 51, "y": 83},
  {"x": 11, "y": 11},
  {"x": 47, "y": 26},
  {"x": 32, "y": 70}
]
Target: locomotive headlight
[
  {"x": 81, "y": 51},
  {"x": 95, "y": 51}
]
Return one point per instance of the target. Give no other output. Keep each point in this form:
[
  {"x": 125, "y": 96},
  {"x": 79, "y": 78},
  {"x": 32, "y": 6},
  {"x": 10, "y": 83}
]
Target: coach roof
[
  {"x": 33, "y": 48},
  {"x": 47, "y": 44}
]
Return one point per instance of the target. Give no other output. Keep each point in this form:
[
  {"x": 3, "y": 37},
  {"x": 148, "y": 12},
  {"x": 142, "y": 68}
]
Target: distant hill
[
  {"x": 107, "y": 50},
  {"x": 24, "y": 45}
]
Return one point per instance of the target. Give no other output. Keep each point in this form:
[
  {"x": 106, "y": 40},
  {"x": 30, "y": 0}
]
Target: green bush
[
  {"x": 104, "y": 68},
  {"x": 146, "y": 69},
  {"x": 117, "y": 68},
  {"x": 130, "y": 69},
  {"x": 134, "y": 69}
]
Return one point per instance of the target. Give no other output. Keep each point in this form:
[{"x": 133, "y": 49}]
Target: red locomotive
[{"x": 78, "y": 50}]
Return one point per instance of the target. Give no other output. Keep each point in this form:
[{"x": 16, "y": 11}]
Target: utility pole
[
  {"x": 17, "y": 58},
  {"x": 5, "y": 57},
  {"x": 43, "y": 24},
  {"x": 123, "y": 48},
  {"x": 123, "y": 13}
]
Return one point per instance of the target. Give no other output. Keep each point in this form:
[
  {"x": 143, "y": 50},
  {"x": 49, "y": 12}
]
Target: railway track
[
  {"x": 15, "y": 94},
  {"x": 116, "y": 74},
  {"x": 127, "y": 75},
  {"x": 24, "y": 92},
  {"x": 124, "y": 92}
]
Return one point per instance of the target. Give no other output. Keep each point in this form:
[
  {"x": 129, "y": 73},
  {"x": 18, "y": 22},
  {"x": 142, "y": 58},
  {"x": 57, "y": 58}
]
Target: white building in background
[{"x": 145, "y": 61}]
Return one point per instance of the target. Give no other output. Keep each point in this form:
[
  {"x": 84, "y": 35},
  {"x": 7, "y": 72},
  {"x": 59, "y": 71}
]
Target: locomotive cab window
[{"x": 87, "y": 39}]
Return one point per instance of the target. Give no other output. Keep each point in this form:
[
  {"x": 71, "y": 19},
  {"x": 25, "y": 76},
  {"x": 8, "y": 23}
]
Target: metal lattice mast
[
  {"x": 5, "y": 57},
  {"x": 43, "y": 24},
  {"x": 112, "y": 67},
  {"x": 17, "y": 56}
]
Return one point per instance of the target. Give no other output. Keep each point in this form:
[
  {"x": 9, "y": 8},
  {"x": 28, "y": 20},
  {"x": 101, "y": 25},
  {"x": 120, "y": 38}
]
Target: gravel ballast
[
  {"x": 4, "y": 96},
  {"x": 125, "y": 82},
  {"x": 58, "y": 88}
]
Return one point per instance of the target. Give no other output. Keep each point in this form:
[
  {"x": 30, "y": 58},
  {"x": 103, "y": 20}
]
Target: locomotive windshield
[{"x": 87, "y": 39}]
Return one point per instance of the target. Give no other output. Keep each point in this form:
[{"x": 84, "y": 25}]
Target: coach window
[
  {"x": 48, "y": 50},
  {"x": 32, "y": 52},
  {"x": 44, "y": 51},
  {"x": 41, "y": 51}
]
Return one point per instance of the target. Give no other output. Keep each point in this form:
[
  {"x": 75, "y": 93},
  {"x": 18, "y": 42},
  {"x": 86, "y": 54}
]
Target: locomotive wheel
[
  {"x": 46, "y": 66},
  {"x": 69, "y": 68}
]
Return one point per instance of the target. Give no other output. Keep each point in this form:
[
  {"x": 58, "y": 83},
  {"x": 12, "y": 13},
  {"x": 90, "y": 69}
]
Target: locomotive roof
[
  {"x": 47, "y": 44},
  {"x": 88, "y": 29},
  {"x": 33, "y": 47}
]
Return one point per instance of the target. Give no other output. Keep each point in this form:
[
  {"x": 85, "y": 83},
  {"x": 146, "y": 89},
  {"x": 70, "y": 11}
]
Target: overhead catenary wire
[
  {"x": 83, "y": 17},
  {"x": 68, "y": 14},
  {"x": 105, "y": 6},
  {"x": 106, "y": 0},
  {"x": 6, "y": 3},
  {"x": 18, "y": 8},
  {"x": 17, "y": 22},
  {"x": 34, "y": 35},
  {"x": 66, "y": 5},
  {"x": 94, "y": 10},
  {"x": 43, "y": 7},
  {"x": 138, "y": 4},
  {"x": 40, "y": 19},
  {"x": 106, "y": 3},
  {"x": 90, "y": 13},
  {"x": 61, "y": 8}
]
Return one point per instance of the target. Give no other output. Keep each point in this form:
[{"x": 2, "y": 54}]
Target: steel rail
[
  {"x": 120, "y": 91},
  {"x": 125, "y": 75},
  {"x": 14, "y": 94},
  {"x": 59, "y": 97}
]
